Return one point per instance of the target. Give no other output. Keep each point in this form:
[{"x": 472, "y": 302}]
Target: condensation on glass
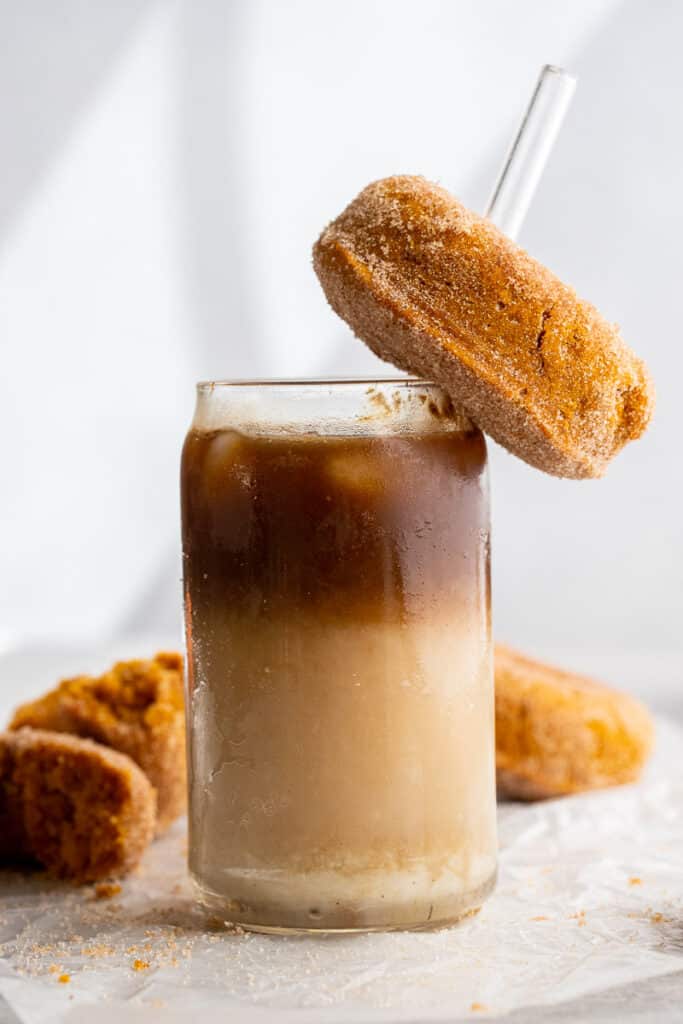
[{"x": 340, "y": 698}]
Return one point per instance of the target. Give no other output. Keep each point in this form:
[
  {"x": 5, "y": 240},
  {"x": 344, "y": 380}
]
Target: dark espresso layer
[{"x": 376, "y": 527}]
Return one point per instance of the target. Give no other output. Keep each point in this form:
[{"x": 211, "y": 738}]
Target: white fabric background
[{"x": 165, "y": 168}]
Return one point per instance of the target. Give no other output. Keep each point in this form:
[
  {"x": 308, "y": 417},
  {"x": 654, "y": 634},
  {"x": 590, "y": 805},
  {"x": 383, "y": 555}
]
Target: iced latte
[{"x": 340, "y": 704}]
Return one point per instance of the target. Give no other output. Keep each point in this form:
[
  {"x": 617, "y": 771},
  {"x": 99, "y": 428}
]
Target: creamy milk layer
[
  {"x": 340, "y": 694},
  {"x": 359, "y": 771}
]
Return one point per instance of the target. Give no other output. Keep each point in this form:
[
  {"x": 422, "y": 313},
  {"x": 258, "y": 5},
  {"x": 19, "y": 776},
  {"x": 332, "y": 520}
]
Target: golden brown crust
[
  {"x": 442, "y": 293},
  {"x": 137, "y": 708},
  {"x": 559, "y": 733},
  {"x": 83, "y": 811}
]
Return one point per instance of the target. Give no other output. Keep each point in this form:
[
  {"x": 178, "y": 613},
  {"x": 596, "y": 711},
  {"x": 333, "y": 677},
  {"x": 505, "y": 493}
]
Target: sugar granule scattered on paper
[{"x": 98, "y": 951}]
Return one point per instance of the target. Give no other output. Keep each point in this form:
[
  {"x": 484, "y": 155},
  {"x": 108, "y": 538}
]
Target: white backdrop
[{"x": 165, "y": 168}]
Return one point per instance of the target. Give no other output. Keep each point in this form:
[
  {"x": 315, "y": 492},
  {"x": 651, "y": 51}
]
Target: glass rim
[
  {"x": 309, "y": 382},
  {"x": 328, "y": 405}
]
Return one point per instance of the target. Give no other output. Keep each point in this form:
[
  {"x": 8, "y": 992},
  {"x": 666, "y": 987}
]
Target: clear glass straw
[{"x": 529, "y": 152}]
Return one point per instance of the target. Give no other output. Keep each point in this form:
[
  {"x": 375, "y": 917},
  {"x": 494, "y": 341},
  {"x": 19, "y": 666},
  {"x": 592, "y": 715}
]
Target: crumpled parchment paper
[{"x": 590, "y": 898}]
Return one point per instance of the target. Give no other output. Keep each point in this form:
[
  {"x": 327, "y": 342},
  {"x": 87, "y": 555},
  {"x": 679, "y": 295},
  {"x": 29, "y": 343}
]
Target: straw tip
[{"x": 555, "y": 69}]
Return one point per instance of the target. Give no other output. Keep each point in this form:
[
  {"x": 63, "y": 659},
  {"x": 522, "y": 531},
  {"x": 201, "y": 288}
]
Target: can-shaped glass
[{"x": 339, "y": 677}]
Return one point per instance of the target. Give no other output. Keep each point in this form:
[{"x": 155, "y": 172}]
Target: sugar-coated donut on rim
[{"x": 440, "y": 292}]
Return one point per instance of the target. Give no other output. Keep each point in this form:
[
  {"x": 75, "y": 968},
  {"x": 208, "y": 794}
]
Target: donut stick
[
  {"x": 83, "y": 811},
  {"x": 559, "y": 733},
  {"x": 138, "y": 708},
  {"x": 441, "y": 293}
]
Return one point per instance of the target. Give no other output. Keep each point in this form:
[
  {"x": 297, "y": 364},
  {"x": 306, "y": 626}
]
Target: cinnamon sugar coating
[
  {"x": 83, "y": 811},
  {"x": 138, "y": 708},
  {"x": 559, "y": 733},
  {"x": 441, "y": 293}
]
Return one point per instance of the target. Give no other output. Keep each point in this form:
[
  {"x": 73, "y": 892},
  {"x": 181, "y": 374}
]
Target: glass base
[
  {"x": 264, "y": 929},
  {"x": 347, "y": 920}
]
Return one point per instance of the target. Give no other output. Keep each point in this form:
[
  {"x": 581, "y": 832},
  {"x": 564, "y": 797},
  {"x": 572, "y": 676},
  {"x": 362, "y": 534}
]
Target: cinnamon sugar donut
[
  {"x": 137, "y": 707},
  {"x": 83, "y": 811},
  {"x": 443, "y": 294},
  {"x": 559, "y": 733}
]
